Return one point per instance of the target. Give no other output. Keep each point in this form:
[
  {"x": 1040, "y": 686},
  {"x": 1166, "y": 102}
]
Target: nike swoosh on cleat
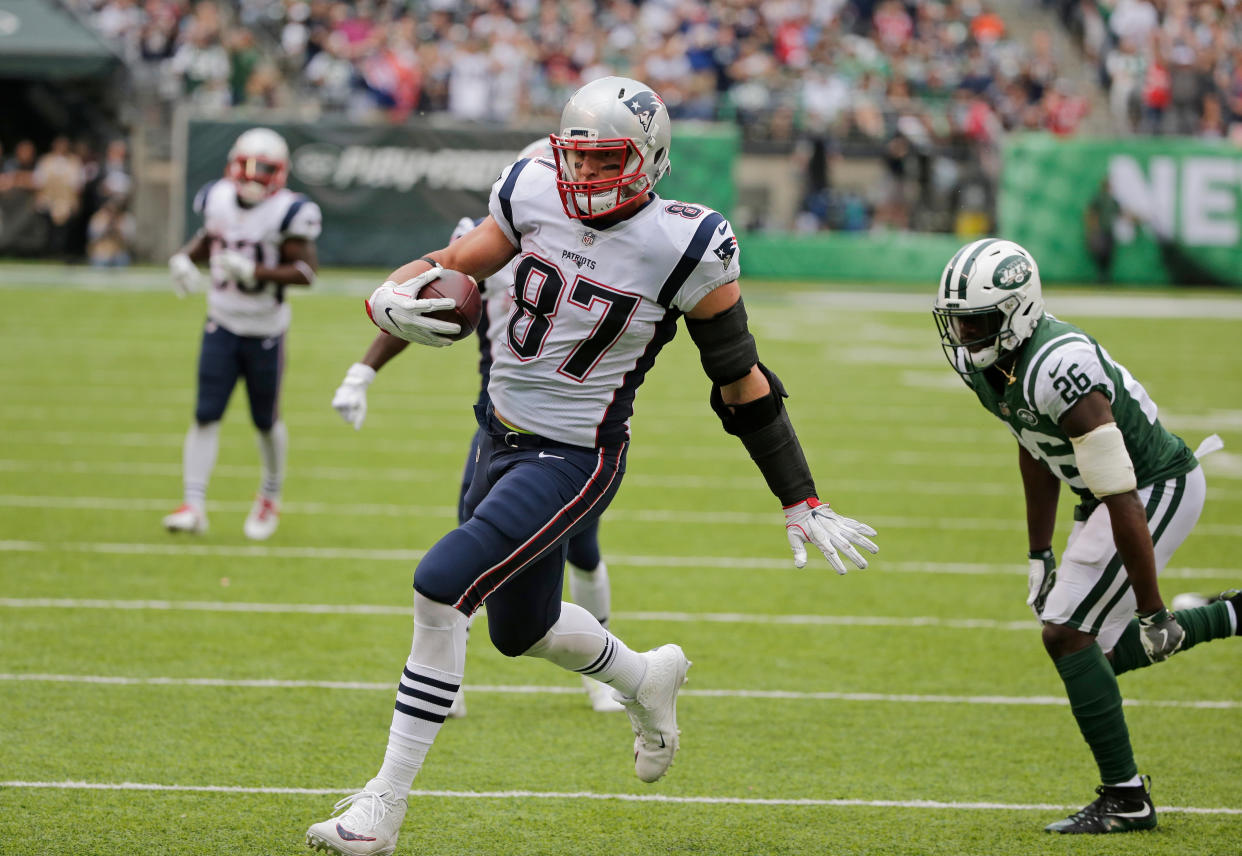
[
  {"x": 346, "y": 835},
  {"x": 1137, "y": 815}
]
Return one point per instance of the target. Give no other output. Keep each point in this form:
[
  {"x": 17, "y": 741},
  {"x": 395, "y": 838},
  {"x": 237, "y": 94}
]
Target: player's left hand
[
  {"x": 815, "y": 522},
  {"x": 395, "y": 310},
  {"x": 235, "y": 266},
  {"x": 1162, "y": 636}
]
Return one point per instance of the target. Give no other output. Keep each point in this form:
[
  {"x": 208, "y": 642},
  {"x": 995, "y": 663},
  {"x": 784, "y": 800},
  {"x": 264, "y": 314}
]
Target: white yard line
[
  {"x": 379, "y": 609},
  {"x": 786, "y": 695},
  {"x": 801, "y": 802},
  {"x": 713, "y": 563},
  {"x": 837, "y": 296},
  {"x": 647, "y": 515}
]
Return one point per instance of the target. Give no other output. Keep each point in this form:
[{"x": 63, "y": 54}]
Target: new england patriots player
[
  {"x": 604, "y": 270},
  {"x": 1080, "y": 418},
  {"x": 588, "y": 575},
  {"x": 258, "y": 238}
]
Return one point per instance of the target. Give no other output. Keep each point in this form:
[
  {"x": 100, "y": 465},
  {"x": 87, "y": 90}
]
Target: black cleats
[{"x": 1115, "y": 810}]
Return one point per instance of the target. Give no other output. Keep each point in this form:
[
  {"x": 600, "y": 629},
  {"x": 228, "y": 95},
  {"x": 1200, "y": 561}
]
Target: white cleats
[
  {"x": 1189, "y": 600},
  {"x": 187, "y": 518},
  {"x": 653, "y": 711},
  {"x": 458, "y": 708},
  {"x": 263, "y": 519},
  {"x": 603, "y": 697},
  {"x": 368, "y": 827}
]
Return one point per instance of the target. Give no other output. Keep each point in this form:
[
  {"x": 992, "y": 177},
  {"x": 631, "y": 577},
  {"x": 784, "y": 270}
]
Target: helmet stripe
[
  {"x": 948, "y": 271},
  {"x": 970, "y": 260}
]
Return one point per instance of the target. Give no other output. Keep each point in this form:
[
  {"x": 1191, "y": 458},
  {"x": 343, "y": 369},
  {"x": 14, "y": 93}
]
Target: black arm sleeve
[
  {"x": 726, "y": 347},
  {"x": 765, "y": 430}
]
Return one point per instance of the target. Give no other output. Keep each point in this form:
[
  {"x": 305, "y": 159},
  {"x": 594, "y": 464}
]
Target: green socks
[
  {"x": 1096, "y": 703},
  {"x": 1202, "y": 624}
]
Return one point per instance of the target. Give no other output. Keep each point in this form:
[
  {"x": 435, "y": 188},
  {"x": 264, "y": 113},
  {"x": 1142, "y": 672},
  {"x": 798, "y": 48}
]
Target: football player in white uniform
[
  {"x": 1082, "y": 419},
  {"x": 589, "y": 585},
  {"x": 258, "y": 238},
  {"x": 605, "y": 269}
]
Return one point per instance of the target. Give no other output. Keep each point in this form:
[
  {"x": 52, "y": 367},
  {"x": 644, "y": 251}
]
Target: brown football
[{"x": 462, "y": 288}]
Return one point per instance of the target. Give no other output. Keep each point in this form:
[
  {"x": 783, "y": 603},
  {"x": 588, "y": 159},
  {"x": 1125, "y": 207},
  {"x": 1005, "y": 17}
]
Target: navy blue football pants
[
  {"x": 528, "y": 498},
  {"x": 223, "y": 359},
  {"x": 583, "y": 547}
]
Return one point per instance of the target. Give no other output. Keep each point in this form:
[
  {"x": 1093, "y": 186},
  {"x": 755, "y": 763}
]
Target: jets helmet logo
[
  {"x": 644, "y": 105},
  {"x": 1013, "y": 272}
]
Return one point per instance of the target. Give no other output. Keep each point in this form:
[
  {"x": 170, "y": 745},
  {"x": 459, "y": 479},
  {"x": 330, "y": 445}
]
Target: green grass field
[{"x": 174, "y": 697}]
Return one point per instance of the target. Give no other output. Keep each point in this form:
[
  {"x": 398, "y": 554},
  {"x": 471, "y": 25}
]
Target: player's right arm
[
  {"x": 480, "y": 253},
  {"x": 350, "y": 399},
  {"x": 749, "y": 399},
  {"x": 1042, "y": 490},
  {"x": 183, "y": 264}
]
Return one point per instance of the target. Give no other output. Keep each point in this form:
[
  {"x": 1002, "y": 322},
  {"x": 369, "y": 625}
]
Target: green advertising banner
[
  {"x": 392, "y": 193},
  {"x": 1156, "y": 210}
]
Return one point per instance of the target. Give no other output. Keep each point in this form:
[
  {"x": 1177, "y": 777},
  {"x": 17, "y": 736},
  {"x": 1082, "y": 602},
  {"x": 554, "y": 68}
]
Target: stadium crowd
[
  {"x": 928, "y": 86},
  {"x": 1169, "y": 66},
  {"x": 859, "y": 67},
  {"x": 68, "y": 203}
]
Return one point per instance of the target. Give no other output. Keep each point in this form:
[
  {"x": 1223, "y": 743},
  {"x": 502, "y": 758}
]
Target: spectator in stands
[
  {"x": 22, "y": 231},
  {"x": 59, "y": 177},
  {"x": 110, "y": 234}
]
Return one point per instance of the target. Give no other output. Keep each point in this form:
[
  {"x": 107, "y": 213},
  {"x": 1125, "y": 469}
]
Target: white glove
[
  {"x": 1040, "y": 578},
  {"x": 814, "y": 521},
  {"x": 351, "y": 396},
  {"x": 185, "y": 274},
  {"x": 397, "y": 310},
  {"x": 236, "y": 266}
]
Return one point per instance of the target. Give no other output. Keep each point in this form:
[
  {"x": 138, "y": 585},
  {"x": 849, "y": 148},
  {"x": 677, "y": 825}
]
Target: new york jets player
[
  {"x": 605, "y": 269},
  {"x": 258, "y": 238},
  {"x": 588, "y": 575},
  {"x": 1081, "y": 419}
]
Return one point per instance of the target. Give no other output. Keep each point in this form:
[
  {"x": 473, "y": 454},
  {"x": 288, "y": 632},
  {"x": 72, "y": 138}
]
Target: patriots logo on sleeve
[{"x": 725, "y": 250}]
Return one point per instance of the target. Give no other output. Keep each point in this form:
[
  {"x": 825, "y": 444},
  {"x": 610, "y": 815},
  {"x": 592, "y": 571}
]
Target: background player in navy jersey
[
  {"x": 604, "y": 270},
  {"x": 257, "y": 238},
  {"x": 588, "y": 575}
]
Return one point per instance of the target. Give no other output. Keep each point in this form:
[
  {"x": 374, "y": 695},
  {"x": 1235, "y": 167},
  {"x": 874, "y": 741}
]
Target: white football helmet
[
  {"x": 258, "y": 164},
  {"x": 614, "y": 116},
  {"x": 988, "y": 303}
]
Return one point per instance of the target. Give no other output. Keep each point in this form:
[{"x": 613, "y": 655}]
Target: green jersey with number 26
[{"x": 1059, "y": 364}]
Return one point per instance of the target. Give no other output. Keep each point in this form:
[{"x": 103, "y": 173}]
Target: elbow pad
[
  {"x": 726, "y": 347},
  {"x": 1103, "y": 461}
]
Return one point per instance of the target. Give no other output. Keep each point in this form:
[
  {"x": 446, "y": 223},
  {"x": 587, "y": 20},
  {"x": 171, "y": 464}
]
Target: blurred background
[{"x": 859, "y": 140}]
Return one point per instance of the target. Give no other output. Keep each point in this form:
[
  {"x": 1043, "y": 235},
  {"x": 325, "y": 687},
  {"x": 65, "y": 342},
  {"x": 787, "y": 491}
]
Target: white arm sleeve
[{"x": 1103, "y": 461}]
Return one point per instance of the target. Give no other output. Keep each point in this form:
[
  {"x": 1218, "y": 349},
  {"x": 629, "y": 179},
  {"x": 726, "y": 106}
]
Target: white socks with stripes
[
  {"x": 591, "y": 591},
  {"x": 429, "y": 682},
  {"x": 198, "y": 458},
  {"x": 578, "y": 642},
  {"x": 273, "y": 449}
]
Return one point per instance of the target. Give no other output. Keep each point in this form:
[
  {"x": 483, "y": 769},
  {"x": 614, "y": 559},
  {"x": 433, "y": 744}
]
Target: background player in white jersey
[
  {"x": 257, "y": 238},
  {"x": 605, "y": 269},
  {"x": 1080, "y": 418},
  {"x": 588, "y": 574}
]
